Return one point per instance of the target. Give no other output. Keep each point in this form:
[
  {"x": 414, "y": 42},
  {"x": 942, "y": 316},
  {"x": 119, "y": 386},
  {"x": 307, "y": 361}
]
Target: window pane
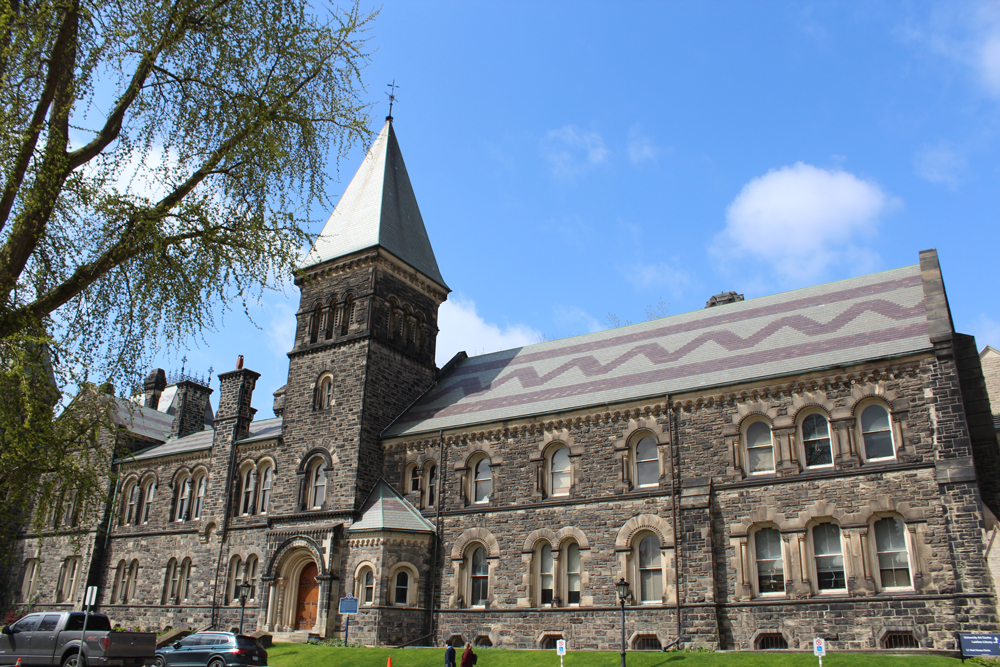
[
  {"x": 651, "y": 585},
  {"x": 816, "y": 441},
  {"x": 761, "y": 459},
  {"x": 770, "y": 569},
  {"x": 369, "y": 580},
  {"x": 402, "y": 584},
  {"x": 479, "y": 585},
  {"x": 560, "y": 483},
  {"x": 573, "y": 558},
  {"x": 48, "y": 624},
  {"x": 829, "y": 558},
  {"x": 649, "y": 552},
  {"x": 546, "y": 560},
  {"x": 878, "y": 445},
  {"x": 560, "y": 460},
  {"x": 874, "y": 418},
  {"x": 648, "y": 473},
  {"x": 545, "y": 573},
  {"x": 480, "y": 566},
  {"x": 484, "y": 483},
  {"x": 893, "y": 561},
  {"x": 759, "y": 435},
  {"x": 815, "y": 427},
  {"x": 560, "y": 472},
  {"x": 646, "y": 450},
  {"x": 768, "y": 544}
]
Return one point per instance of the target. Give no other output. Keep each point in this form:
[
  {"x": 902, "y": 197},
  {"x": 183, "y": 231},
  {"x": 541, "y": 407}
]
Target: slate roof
[
  {"x": 265, "y": 429},
  {"x": 378, "y": 208},
  {"x": 147, "y": 422},
  {"x": 384, "y": 509},
  {"x": 849, "y": 321}
]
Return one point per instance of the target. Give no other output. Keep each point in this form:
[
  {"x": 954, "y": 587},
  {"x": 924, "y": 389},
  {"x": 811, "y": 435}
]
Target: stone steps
[{"x": 298, "y": 637}]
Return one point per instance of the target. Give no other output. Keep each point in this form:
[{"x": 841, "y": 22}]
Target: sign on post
[
  {"x": 819, "y": 649},
  {"x": 91, "y": 597},
  {"x": 348, "y": 605},
  {"x": 561, "y": 646},
  {"x": 979, "y": 644}
]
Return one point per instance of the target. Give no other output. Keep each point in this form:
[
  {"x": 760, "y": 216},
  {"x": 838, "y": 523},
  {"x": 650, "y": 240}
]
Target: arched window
[
  {"x": 131, "y": 581},
  {"x": 249, "y": 489},
  {"x": 314, "y": 322},
  {"x": 431, "y": 485},
  {"x": 29, "y": 582},
  {"x": 69, "y": 509},
  {"x": 415, "y": 480},
  {"x": 317, "y": 485},
  {"x": 324, "y": 392},
  {"x": 559, "y": 472},
  {"x": 829, "y": 557},
  {"x": 68, "y": 573},
  {"x": 199, "y": 500},
  {"x": 149, "y": 491},
  {"x": 401, "y": 593},
  {"x": 546, "y": 579},
  {"x": 482, "y": 481},
  {"x": 876, "y": 430},
  {"x": 573, "y": 584},
  {"x": 235, "y": 579},
  {"x": 647, "y": 462},
  {"x": 266, "y": 482},
  {"x": 650, "y": 570},
  {"x": 890, "y": 548},
  {"x": 365, "y": 583},
  {"x": 118, "y": 589},
  {"x": 131, "y": 495},
  {"x": 348, "y": 317},
  {"x": 479, "y": 578},
  {"x": 330, "y": 315},
  {"x": 183, "y": 500},
  {"x": 170, "y": 582},
  {"x": 250, "y": 576},
  {"x": 184, "y": 581},
  {"x": 768, "y": 562},
  {"x": 816, "y": 441},
  {"x": 760, "y": 452}
]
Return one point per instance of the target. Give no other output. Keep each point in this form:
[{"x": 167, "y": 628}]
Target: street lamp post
[
  {"x": 622, "y": 587},
  {"x": 244, "y": 594}
]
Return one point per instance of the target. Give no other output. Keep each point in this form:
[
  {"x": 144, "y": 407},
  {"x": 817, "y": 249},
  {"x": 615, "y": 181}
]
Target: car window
[
  {"x": 96, "y": 622},
  {"x": 193, "y": 640},
  {"x": 27, "y": 624},
  {"x": 247, "y": 642},
  {"x": 215, "y": 640},
  {"x": 48, "y": 623}
]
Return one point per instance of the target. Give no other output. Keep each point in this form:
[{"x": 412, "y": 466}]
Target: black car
[{"x": 214, "y": 649}]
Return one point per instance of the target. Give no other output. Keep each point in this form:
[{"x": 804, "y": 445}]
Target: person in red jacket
[{"x": 468, "y": 658}]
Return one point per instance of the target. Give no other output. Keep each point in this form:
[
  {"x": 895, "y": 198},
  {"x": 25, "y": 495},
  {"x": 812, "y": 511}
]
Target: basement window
[
  {"x": 771, "y": 641},
  {"x": 647, "y": 643},
  {"x": 897, "y": 640}
]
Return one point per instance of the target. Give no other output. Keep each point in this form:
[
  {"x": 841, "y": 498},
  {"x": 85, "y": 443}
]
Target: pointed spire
[{"x": 378, "y": 208}]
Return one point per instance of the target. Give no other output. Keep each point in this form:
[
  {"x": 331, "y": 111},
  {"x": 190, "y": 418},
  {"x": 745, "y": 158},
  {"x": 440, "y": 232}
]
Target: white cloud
[
  {"x": 461, "y": 328},
  {"x": 572, "y": 152},
  {"x": 941, "y": 165},
  {"x": 802, "y": 220},
  {"x": 640, "y": 146},
  {"x": 577, "y": 320},
  {"x": 659, "y": 275}
]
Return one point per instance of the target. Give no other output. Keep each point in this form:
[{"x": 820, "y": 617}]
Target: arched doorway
[{"x": 308, "y": 598}]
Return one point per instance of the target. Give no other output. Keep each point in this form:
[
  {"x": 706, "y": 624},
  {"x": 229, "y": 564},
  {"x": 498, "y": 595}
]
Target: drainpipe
[{"x": 675, "y": 464}]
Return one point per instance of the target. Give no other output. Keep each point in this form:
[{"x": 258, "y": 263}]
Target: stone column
[
  {"x": 279, "y": 620},
  {"x": 323, "y": 608},
  {"x": 272, "y": 588}
]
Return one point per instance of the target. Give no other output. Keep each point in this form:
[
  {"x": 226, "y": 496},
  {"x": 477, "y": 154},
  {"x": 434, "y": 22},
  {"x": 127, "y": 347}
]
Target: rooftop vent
[{"x": 723, "y": 298}]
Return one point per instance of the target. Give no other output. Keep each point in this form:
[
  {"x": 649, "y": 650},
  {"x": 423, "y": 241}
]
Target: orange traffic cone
[{"x": 388, "y": 664}]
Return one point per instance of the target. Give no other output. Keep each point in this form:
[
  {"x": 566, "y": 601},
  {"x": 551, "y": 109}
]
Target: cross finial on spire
[{"x": 392, "y": 97}]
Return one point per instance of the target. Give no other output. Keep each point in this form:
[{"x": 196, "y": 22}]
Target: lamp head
[
  {"x": 245, "y": 590},
  {"x": 622, "y": 587}
]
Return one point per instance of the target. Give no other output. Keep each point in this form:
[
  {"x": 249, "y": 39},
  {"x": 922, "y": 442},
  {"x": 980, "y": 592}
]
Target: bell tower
[{"x": 365, "y": 335}]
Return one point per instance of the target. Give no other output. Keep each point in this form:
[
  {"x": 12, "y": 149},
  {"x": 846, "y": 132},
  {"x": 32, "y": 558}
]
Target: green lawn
[{"x": 304, "y": 655}]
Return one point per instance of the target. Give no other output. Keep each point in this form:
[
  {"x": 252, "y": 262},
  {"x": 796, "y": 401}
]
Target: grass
[{"x": 305, "y": 655}]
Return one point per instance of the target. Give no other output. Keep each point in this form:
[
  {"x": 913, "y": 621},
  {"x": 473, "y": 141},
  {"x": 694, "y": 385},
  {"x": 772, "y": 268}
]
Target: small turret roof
[
  {"x": 385, "y": 509},
  {"x": 378, "y": 208}
]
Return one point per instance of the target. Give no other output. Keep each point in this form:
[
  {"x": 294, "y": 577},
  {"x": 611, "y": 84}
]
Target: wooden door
[{"x": 305, "y": 614}]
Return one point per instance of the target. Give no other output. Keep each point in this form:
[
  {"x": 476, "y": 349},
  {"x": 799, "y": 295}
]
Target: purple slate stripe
[
  {"x": 660, "y": 375},
  {"x": 657, "y": 355},
  {"x": 715, "y": 321}
]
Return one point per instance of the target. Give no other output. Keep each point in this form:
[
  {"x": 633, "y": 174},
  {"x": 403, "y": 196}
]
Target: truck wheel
[{"x": 71, "y": 661}]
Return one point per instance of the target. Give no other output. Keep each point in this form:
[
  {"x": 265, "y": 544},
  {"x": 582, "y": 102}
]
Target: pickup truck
[{"x": 53, "y": 639}]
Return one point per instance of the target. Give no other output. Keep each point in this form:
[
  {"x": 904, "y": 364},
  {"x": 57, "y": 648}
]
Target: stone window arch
[
  {"x": 266, "y": 480},
  {"x": 395, "y": 315},
  {"x": 235, "y": 579},
  {"x": 875, "y": 430},
  {"x": 117, "y": 588},
  {"x": 171, "y": 582},
  {"x": 474, "y": 558},
  {"x": 183, "y": 495},
  {"x": 403, "y": 585},
  {"x": 347, "y": 319},
  {"x": 649, "y": 564},
  {"x": 248, "y": 490},
  {"x": 146, "y": 497},
  {"x": 480, "y": 478},
  {"x": 131, "y": 581},
  {"x": 813, "y": 431},
  {"x": 827, "y": 564},
  {"x": 419, "y": 332},
  {"x": 130, "y": 501},
  {"x": 652, "y": 560},
  {"x": 29, "y": 580},
  {"x": 200, "y": 487},
  {"x": 430, "y": 475},
  {"x": 325, "y": 393},
  {"x": 250, "y": 572},
  {"x": 330, "y": 316},
  {"x": 543, "y": 573},
  {"x": 758, "y": 445},
  {"x": 314, "y": 321},
  {"x": 69, "y": 575}
]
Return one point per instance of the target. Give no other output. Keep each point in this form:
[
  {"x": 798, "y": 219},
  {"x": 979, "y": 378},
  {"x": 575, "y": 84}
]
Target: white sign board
[
  {"x": 91, "y": 597},
  {"x": 819, "y": 647},
  {"x": 561, "y": 646}
]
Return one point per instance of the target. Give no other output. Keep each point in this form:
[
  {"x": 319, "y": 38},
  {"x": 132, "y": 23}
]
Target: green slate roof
[
  {"x": 384, "y": 509},
  {"x": 378, "y": 208}
]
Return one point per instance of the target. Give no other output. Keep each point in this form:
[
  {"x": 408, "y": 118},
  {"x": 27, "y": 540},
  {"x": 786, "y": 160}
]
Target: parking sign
[
  {"x": 561, "y": 646},
  {"x": 819, "y": 647}
]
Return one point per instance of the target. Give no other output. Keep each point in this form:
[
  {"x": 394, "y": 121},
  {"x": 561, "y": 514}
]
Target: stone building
[{"x": 815, "y": 463}]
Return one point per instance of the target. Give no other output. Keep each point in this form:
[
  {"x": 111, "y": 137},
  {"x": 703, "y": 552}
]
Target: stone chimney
[
  {"x": 279, "y": 401},
  {"x": 723, "y": 298},
  {"x": 153, "y": 387},
  {"x": 191, "y": 404},
  {"x": 235, "y": 395}
]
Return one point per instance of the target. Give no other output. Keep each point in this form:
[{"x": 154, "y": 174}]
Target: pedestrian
[
  {"x": 449, "y": 654},
  {"x": 468, "y": 658}
]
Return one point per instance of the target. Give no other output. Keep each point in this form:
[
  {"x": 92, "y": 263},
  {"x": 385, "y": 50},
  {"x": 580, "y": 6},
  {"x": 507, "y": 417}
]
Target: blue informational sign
[
  {"x": 981, "y": 644},
  {"x": 348, "y": 605}
]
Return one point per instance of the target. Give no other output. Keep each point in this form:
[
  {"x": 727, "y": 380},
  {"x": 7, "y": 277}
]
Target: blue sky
[{"x": 575, "y": 159}]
